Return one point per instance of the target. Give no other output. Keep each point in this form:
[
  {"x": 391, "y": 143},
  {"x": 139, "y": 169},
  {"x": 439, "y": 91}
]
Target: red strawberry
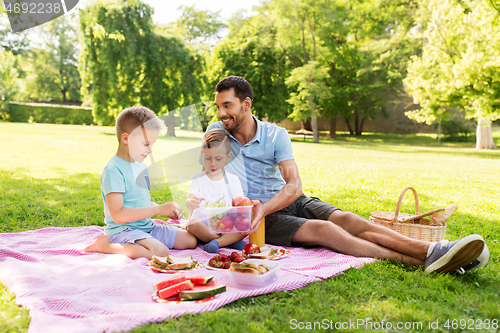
[
  {"x": 227, "y": 265},
  {"x": 239, "y": 259},
  {"x": 215, "y": 263},
  {"x": 233, "y": 256},
  {"x": 223, "y": 257}
]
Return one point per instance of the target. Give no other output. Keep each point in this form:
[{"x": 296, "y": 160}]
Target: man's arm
[{"x": 288, "y": 194}]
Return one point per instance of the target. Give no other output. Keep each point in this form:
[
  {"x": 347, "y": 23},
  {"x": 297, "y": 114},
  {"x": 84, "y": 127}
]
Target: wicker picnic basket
[{"x": 411, "y": 225}]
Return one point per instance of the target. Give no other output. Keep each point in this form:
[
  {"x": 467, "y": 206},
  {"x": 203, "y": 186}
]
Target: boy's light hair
[
  {"x": 215, "y": 138},
  {"x": 133, "y": 117}
]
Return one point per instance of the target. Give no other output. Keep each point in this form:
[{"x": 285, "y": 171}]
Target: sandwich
[
  {"x": 249, "y": 268},
  {"x": 173, "y": 263},
  {"x": 269, "y": 254}
]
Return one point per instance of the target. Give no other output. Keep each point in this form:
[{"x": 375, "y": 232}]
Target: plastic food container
[
  {"x": 229, "y": 219},
  {"x": 245, "y": 280}
]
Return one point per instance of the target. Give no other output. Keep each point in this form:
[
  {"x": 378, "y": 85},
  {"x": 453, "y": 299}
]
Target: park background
[{"x": 377, "y": 95}]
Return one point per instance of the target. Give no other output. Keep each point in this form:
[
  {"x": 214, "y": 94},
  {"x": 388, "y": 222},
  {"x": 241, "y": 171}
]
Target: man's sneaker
[
  {"x": 478, "y": 263},
  {"x": 450, "y": 256}
]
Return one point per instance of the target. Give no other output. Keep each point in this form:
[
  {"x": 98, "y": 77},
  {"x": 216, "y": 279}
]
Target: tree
[
  {"x": 249, "y": 51},
  {"x": 9, "y": 41},
  {"x": 52, "y": 69},
  {"x": 124, "y": 62},
  {"x": 297, "y": 24},
  {"x": 369, "y": 46},
  {"x": 459, "y": 64},
  {"x": 199, "y": 26},
  {"x": 8, "y": 78}
]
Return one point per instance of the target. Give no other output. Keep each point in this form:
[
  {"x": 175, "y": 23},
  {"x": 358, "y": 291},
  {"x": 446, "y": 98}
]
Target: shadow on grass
[{"x": 29, "y": 203}]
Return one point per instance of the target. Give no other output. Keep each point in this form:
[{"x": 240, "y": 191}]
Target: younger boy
[
  {"x": 125, "y": 189},
  {"x": 214, "y": 187}
]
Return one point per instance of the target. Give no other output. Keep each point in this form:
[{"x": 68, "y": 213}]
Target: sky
[{"x": 166, "y": 10}]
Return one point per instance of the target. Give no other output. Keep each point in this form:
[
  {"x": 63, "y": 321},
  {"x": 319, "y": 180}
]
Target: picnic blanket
[{"x": 67, "y": 290}]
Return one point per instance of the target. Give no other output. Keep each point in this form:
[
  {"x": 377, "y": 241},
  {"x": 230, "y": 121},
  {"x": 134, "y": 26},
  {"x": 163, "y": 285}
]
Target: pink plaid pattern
[{"x": 67, "y": 290}]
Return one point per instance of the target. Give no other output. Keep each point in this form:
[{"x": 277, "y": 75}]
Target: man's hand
[
  {"x": 171, "y": 209},
  {"x": 193, "y": 202}
]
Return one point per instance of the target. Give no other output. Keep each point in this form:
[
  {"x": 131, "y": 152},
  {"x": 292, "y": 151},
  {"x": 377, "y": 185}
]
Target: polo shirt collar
[{"x": 258, "y": 133}]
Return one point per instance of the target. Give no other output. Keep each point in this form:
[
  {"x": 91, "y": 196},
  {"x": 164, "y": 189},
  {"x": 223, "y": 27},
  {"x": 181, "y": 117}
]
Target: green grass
[{"x": 49, "y": 176}]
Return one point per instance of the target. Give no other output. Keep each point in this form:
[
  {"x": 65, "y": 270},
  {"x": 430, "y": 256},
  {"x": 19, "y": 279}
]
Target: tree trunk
[
  {"x": 314, "y": 124},
  {"x": 439, "y": 132},
  {"x": 333, "y": 128},
  {"x": 356, "y": 122},
  {"x": 171, "y": 124},
  {"x": 351, "y": 132},
  {"x": 359, "y": 129},
  {"x": 484, "y": 138},
  {"x": 64, "y": 95},
  {"x": 305, "y": 125}
]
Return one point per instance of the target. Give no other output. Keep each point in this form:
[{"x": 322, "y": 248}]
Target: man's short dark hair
[{"x": 242, "y": 89}]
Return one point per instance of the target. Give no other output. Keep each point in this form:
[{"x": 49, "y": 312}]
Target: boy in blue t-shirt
[{"x": 125, "y": 190}]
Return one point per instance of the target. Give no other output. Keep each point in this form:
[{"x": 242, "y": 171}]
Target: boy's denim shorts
[{"x": 162, "y": 232}]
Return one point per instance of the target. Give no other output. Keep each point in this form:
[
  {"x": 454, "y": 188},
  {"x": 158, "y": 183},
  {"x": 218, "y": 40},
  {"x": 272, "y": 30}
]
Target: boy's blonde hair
[
  {"x": 215, "y": 138},
  {"x": 133, "y": 117}
]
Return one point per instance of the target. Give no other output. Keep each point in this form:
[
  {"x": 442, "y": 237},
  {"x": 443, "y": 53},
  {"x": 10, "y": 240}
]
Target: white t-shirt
[{"x": 214, "y": 192}]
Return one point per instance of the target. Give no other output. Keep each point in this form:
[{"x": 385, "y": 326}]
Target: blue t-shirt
[
  {"x": 132, "y": 180},
  {"x": 256, "y": 163}
]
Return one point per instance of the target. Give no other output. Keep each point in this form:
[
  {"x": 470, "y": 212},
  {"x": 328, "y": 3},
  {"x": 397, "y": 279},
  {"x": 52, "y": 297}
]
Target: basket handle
[{"x": 401, "y": 196}]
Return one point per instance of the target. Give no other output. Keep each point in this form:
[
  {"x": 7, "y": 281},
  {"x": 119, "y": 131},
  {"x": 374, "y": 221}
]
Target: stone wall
[{"x": 396, "y": 123}]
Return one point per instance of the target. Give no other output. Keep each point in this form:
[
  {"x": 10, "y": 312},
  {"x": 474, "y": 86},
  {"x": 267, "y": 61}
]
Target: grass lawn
[{"x": 49, "y": 176}]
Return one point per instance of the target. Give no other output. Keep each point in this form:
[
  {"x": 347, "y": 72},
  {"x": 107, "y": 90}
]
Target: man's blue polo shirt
[{"x": 256, "y": 163}]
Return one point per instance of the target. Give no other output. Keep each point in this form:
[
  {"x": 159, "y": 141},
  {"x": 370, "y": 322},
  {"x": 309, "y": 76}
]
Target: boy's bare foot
[{"x": 98, "y": 244}]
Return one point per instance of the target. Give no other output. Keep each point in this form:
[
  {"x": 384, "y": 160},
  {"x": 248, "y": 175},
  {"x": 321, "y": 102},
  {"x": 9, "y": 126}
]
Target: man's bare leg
[
  {"x": 330, "y": 235},
  {"x": 358, "y": 226}
]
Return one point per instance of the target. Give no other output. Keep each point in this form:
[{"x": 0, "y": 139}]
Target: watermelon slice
[
  {"x": 175, "y": 289},
  {"x": 200, "y": 292},
  {"x": 201, "y": 280},
  {"x": 211, "y": 283},
  {"x": 170, "y": 282}
]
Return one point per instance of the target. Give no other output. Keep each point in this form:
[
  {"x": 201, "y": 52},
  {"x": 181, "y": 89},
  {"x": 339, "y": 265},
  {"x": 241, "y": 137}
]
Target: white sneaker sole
[{"x": 464, "y": 252}]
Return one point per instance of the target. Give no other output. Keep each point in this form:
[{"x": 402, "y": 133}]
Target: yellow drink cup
[{"x": 259, "y": 237}]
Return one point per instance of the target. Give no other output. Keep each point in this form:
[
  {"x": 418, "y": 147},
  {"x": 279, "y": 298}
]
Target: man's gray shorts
[
  {"x": 282, "y": 225},
  {"x": 162, "y": 232}
]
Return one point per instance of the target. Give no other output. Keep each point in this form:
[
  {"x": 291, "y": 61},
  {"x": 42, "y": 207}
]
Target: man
[{"x": 269, "y": 170}]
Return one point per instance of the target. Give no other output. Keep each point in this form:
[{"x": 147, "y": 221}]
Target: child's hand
[
  {"x": 193, "y": 202},
  {"x": 171, "y": 209}
]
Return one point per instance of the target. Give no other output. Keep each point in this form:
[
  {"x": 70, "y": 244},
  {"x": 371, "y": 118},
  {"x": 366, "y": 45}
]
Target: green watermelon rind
[
  {"x": 201, "y": 280},
  {"x": 196, "y": 293}
]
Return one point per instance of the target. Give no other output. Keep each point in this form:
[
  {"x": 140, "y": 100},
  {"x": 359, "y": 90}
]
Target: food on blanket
[
  {"x": 201, "y": 292},
  {"x": 170, "y": 282},
  {"x": 249, "y": 249},
  {"x": 242, "y": 223},
  {"x": 221, "y": 257},
  {"x": 233, "y": 255},
  {"x": 201, "y": 280},
  {"x": 241, "y": 201},
  {"x": 249, "y": 268},
  {"x": 226, "y": 224},
  {"x": 269, "y": 254},
  {"x": 173, "y": 263},
  {"x": 223, "y": 261},
  {"x": 216, "y": 263},
  {"x": 175, "y": 289}
]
